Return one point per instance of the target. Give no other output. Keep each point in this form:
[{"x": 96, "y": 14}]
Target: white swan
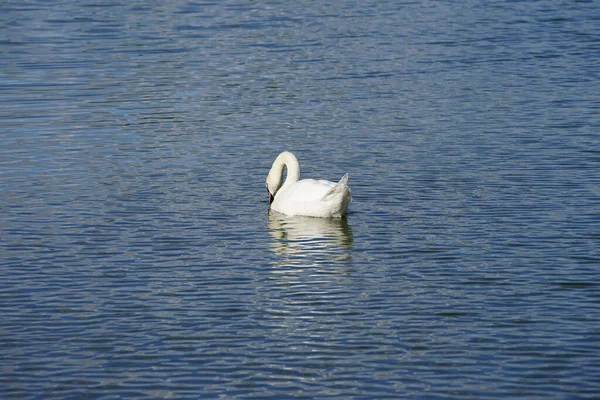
[{"x": 307, "y": 197}]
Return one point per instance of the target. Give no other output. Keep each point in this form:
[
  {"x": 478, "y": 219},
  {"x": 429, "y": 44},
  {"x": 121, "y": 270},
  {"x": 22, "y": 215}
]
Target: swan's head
[
  {"x": 274, "y": 182},
  {"x": 287, "y": 161}
]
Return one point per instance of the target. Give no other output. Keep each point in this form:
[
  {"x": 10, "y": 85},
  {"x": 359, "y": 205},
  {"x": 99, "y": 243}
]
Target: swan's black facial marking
[{"x": 271, "y": 197}]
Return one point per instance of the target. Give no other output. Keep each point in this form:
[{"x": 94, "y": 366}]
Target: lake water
[{"x": 138, "y": 257}]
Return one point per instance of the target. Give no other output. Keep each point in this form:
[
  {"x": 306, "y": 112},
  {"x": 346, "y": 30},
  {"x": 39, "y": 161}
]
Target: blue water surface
[{"x": 138, "y": 258}]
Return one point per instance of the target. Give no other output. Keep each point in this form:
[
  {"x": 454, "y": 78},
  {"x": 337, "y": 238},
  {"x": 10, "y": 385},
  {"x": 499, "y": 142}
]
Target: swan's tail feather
[{"x": 339, "y": 187}]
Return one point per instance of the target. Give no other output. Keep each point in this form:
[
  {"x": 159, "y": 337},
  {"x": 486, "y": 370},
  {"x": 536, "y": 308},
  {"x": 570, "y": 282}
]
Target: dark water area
[{"x": 138, "y": 258}]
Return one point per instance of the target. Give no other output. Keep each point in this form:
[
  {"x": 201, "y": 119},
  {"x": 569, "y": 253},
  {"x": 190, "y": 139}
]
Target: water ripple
[{"x": 137, "y": 253}]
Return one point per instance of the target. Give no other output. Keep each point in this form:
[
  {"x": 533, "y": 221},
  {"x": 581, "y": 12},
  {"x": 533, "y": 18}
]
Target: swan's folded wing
[
  {"x": 313, "y": 198},
  {"x": 338, "y": 188},
  {"x": 305, "y": 190}
]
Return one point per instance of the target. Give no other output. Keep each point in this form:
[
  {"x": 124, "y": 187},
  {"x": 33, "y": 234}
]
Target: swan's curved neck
[{"x": 288, "y": 160}]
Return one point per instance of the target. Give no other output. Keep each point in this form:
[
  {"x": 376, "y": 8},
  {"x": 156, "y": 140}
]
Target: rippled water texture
[{"x": 139, "y": 259}]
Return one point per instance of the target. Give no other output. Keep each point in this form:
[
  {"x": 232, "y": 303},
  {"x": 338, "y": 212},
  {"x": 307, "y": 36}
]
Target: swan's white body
[{"x": 307, "y": 197}]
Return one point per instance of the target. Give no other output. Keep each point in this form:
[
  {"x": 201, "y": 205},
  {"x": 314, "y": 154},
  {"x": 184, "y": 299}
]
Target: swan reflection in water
[
  {"x": 310, "y": 241},
  {"x": 310, "y": 281}
]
